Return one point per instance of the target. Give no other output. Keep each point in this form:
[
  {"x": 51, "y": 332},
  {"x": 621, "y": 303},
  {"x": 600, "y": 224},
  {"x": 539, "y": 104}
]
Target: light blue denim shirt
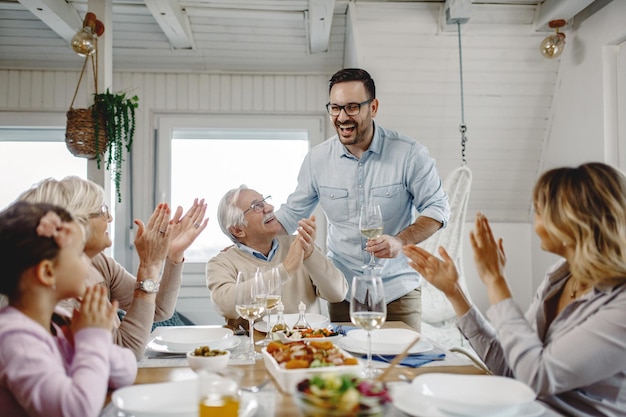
[{"x": 396, "y": 172}]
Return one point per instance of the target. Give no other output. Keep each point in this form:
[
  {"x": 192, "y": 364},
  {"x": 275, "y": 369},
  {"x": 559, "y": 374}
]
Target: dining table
[{"x": 270, "y": 399}]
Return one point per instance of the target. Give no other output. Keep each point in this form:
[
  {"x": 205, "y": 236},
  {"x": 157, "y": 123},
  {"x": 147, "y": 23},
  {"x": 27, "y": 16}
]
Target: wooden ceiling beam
[
  {"x": 59, "y": 15},
  {"x": 319, "y": 20},
  {"x": 558, "y": 9},
  {"x": 174, "y": 22}
]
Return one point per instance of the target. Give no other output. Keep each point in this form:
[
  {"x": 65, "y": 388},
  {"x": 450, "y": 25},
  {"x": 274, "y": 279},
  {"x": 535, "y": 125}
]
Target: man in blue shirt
[{"x": 368, "y": 164}]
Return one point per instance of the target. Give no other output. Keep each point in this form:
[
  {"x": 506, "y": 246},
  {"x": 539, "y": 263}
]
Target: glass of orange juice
[{"x": 219, "y": 394}]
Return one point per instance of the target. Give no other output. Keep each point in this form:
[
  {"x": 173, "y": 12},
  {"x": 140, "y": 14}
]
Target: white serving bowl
[
  {"x": 474, "y": 395},
  {"x": 188, "y": 337},
  {"x": 208, "y": 363}
]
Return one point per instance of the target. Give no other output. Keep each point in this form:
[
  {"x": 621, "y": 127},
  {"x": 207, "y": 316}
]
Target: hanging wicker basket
[
  {"x": 80, "y": 131},
  {"x": 80, "y": 134}
]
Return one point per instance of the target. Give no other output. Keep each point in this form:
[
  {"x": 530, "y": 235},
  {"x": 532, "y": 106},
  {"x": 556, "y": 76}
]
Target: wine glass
[
  {"x": 371, "y": 226},
  {"x": 368, "y": 310},
  {"x": 273, "y": 295},
  {"x": 250, "y": 304}
]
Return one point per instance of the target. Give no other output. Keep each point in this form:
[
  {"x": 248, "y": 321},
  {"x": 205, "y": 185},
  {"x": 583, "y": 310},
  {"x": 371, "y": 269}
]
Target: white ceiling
[
  {"x": 509, "y": 90},
  {"x": 202, "y": 35}
]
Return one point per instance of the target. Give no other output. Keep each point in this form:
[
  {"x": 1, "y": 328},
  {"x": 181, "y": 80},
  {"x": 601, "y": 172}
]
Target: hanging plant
[{"x": 115, "y": 115}]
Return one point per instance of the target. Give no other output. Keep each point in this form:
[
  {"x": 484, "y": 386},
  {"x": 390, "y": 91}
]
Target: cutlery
[
  {"x": 256, "y": 388},
  {"x": 166, "y": 356}
]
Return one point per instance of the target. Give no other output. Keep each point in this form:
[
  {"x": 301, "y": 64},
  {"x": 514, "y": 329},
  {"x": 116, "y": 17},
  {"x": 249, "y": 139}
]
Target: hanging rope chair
[
  {"x": 438, "y": 316},
  {"x": 435, "y": 307}
]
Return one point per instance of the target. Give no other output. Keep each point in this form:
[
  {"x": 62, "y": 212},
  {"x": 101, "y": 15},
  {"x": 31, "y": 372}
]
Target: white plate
[
  {"x": 186, "y": 338},
  {"x": 225, "y": 344},
  {"x": 384, "y": 341},
  {"x": 408, "y": 400},
  {"x": 167, "y": 399},
  {"x": 473, "y": 395},
  {"x": 317, "y": 321}
]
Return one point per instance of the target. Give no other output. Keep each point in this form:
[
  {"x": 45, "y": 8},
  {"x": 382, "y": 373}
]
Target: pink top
[{"x": 44, "y": 375}]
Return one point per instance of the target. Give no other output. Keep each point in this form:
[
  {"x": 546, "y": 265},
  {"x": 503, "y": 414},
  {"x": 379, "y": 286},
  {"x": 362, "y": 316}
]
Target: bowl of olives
[{"x": 207, "y": 359}]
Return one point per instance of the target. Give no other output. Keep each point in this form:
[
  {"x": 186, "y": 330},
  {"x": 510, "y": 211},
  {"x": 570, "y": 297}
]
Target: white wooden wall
[
  {"x": 159, "y": 93},
  {"x": 508, "y": 91}
]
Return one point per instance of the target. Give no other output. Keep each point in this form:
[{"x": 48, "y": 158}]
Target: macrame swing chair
[{"x": 438, "y": 316}]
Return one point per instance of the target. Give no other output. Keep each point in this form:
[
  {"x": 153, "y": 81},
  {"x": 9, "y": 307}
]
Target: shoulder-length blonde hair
[
  {"x": 586, "y": 207},
  {"x": 83, "y": 198}
]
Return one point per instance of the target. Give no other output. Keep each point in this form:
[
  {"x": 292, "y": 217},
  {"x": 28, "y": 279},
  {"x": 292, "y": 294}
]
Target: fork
[{"x": 257, "y": 387}]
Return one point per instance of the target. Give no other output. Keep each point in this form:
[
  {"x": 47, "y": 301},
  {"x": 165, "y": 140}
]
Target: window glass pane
[
  {"x": 26, "y": 162},
  {"x": 208, "y": 168}
]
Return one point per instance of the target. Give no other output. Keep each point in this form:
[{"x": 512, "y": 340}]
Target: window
[
  {"x": 261, "y": 161},
  {"x": 209, "y": 157},
  {"x": 29, "y": 154}
]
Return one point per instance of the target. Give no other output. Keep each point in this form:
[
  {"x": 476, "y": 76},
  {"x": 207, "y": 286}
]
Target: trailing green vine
[{"x": 117, "y": 112}]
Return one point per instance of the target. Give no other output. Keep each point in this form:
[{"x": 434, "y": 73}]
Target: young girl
[{"x": 46, "y": 367}]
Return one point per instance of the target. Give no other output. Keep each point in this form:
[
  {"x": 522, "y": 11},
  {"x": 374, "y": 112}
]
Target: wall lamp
[{"x": 553, "y": 45}]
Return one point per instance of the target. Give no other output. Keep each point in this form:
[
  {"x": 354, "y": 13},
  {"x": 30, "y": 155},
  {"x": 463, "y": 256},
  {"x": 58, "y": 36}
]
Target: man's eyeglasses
[
  {"x": 104, "y": 212},
  {"x": 351, "y": 109},
  {"x": 257, "y": 206}
]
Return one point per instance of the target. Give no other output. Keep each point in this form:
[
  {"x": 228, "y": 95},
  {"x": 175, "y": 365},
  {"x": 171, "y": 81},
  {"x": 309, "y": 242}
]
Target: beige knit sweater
[{"x": 318, "y": 277}]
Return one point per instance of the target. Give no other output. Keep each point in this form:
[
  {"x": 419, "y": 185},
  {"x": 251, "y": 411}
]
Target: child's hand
[{"x": 95, "y": 310}]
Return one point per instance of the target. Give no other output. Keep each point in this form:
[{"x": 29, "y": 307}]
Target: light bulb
[
  {"x": 84, "y": 42},
  {"x": 553, "y": 45}
]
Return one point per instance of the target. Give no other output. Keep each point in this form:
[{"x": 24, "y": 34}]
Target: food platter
[
  {"x": 289, "y": 339},
  {"x": 287, "y": 379}
]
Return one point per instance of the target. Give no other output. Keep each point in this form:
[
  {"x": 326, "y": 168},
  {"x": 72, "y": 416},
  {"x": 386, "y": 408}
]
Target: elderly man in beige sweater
[{"x": 248, "y": 220}]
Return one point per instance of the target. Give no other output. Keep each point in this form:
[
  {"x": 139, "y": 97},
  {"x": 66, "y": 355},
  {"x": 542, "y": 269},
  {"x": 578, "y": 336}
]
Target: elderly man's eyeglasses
[
  {"x": 104, "y": 212},
  {"x": 351, "y": 109},
  {"x": 257, "y": 206}
]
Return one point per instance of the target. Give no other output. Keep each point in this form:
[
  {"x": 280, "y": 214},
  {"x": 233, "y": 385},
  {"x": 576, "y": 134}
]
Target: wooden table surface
[{"x": 285, "y": 406}]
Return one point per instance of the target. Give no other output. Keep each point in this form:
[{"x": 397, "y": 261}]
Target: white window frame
[{"x": 166, "y": 123}]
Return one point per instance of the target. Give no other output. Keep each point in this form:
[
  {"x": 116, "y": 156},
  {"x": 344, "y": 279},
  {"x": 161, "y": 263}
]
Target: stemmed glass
[
  {"x": 273, "y": 292},
  {"x": 250, "y": 304},
  {"x": 371, "y": 226},
  {"x": 368, "y": 310}
]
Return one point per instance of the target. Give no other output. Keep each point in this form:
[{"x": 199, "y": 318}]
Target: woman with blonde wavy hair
[
  {"x": 570, "y": 345},
  {"x": 161, "y": 243}
]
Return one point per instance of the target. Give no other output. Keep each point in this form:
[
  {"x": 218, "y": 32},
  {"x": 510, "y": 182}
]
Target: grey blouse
[{"x": 577, "y": 364}]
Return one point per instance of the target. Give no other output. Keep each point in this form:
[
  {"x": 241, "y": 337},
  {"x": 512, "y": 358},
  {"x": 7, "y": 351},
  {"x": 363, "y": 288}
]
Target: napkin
[
  {"x": 413, "y": 360},
  {"x": 341, "y": 329}
]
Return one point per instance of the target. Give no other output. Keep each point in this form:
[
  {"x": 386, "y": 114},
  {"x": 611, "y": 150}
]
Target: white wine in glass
[
  {"x": 368, "y": 310},
  {"x": 273, "y": 295},
  {"x": 250, "y": 304},
  {"x": 371, "y": 226}
]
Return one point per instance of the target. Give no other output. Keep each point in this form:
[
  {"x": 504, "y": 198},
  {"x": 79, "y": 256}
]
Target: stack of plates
[
  {"x": 182, "y": 339},
  {"x": 384, "y": 341},
  {"x": 454, "y": 395}
]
